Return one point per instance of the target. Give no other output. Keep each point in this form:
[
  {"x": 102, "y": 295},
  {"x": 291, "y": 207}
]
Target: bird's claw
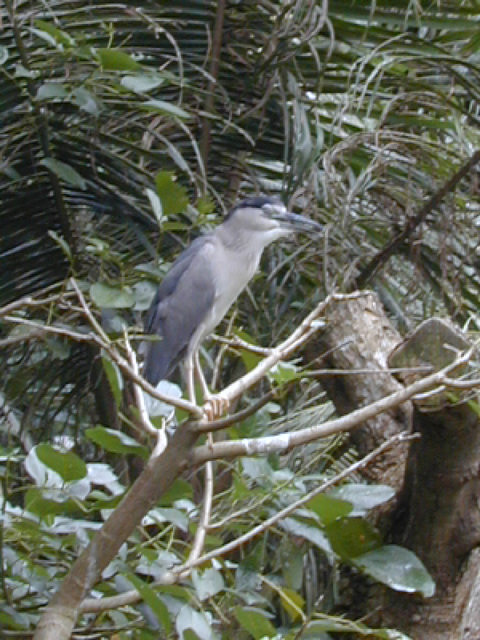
[{"x": 215, "y": 407}]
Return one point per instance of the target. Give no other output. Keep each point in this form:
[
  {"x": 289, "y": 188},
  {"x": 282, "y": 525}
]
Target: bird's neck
[{"x": 243, "y": 241}]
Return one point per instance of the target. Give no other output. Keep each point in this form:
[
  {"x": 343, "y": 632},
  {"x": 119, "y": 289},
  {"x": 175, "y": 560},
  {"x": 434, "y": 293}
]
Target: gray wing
[{"x": 181, "y": 304}]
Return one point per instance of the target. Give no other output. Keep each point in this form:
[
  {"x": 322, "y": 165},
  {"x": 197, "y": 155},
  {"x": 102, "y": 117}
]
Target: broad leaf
[
  {"x": 142, "y": 83},
  {"x": 173, "y": 196},
  {"x": 108, "y": 297},
  {"x": 191, "y": 624},
  {"x": 166, "y": 108},
  {"x": 352, "y": 537},
  {"x": 208, "y": 583},
  {"x": 116, "y": 441},
  {"x": 67, "y": 464},
  {"x": 65, "y": 172},
  {"x": 363, "y": 496},
  {"x": 114, "y": 378},
  {"x": 254, "y": 622},
  {"x": 328, "y": 508},
  {"x": 398, "y": 568},
  {"x": 116, "y": 60},
  {"x": 152, "y": 599}
]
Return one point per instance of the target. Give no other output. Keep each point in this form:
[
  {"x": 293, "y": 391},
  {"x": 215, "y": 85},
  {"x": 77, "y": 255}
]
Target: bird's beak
[{"x": 294, "y": 222}]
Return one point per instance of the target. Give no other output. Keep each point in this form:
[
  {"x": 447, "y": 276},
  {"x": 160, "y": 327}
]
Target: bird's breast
[{"x": 233, "y": 273}]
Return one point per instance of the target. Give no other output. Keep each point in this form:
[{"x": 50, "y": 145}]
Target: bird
[{"x": 205, "y": 280}]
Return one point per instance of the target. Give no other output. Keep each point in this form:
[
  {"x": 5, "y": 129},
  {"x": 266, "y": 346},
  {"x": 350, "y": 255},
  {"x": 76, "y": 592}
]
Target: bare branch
[
  {"x": 159, "y": 434},
  {"x": 296, "y": 339},
  {"x": 283, "y": 442},
  {"x": 383, "y": 256},
  {"x": 201, "y": 532}
]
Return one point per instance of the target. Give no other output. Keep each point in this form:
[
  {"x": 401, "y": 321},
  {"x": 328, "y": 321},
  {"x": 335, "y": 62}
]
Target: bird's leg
[
  {"x": 188, "y": 365},
  {"x": 215, "y": 405},
  {"x": 201, "y": 378}
]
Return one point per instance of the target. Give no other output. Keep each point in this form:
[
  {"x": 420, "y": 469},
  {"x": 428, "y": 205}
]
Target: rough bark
[
  {"x": 436, "y": 514},
  {"x": 358, "y": 338}
]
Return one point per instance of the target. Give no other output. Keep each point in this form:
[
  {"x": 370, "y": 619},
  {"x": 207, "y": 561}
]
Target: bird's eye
[{"x": 274, "y": 209}]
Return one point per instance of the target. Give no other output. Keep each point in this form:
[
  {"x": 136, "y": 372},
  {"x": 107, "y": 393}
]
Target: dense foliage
[{"x": 126, "y": 131}]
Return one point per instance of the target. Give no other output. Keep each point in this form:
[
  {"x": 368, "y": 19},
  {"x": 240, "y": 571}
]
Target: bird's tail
[{"x": 157, "y": 362}]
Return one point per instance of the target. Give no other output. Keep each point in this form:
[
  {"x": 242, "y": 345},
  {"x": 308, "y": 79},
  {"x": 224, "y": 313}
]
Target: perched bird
[{"x": 206, "y": 279}]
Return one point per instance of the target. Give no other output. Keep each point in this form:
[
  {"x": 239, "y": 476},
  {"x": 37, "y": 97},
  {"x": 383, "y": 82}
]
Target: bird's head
[{"x": 267, "y": 219}]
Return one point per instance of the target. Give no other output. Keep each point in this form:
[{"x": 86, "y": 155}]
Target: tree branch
[
  {"x": 381, "y": 258},
  {"x": 283, "y": 442},
  {"x": 180, "y": 573}
]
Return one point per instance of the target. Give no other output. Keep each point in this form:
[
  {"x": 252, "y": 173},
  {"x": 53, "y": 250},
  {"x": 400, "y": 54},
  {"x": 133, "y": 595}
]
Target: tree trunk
[
  {"x": 357, "y": 341},
  {"x": 436, "y": 513}
]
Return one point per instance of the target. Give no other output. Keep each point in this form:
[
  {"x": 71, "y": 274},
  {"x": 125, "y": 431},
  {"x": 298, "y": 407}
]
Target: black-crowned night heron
[{"x": 205, "y": 280}]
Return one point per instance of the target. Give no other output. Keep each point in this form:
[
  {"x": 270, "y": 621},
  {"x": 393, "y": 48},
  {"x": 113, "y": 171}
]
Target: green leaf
[
  {"x": 292, "y": 564},
  {"x": 50, "y": 91},
  {"x": 329, "y": 509},
  {"x": 67, "y": 464},
  {"x": 208, "y": 583},
  {"x": 116, "y": 441},
  {"x": 191, "y": 624},
  {"x": 398, "y": 568},
  {"x": 156, "y": 205},
  {"x": 362, "y": 496},
  {"x": 284, "y": 372},
  {"x": 352, "y": 537},
  {"x": 37, "y": 503},
  {"x": 292, "y": 602},
  {"x": 142, "y": 83},
  {"x": 317, "y": 628},
  {"x": 58, "y": 36},
  {"x": 152, "y": 600},
  {"x": 12, "y": 619},
  {"x": 108, "y": 297},
  {"x": 254, "y": 622},
  {"x": 311, "y": 533},
  {"x": 167, "y": 514},
  {"x": 166, "y": 108},
  {"x": 250, "y": 358},
  {"x": 114, "y": 378},
  {"x": 117, "y": 60},
  {"x": 180, "y": 490},
  {"x": 64, "y": 172},
  {"x": 86, "y": 101},
  {"x": 174, "y": 197}
]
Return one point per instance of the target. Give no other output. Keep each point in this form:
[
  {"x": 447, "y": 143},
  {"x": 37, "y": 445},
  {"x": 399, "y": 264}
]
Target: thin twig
[
  {"x": 91, "y": 338},
  {"x": 203, "y": 525},
  {"x": 307, "y": 328},
  {"x": 88, "y": 314},
  {"x": 159, "y": 434}
]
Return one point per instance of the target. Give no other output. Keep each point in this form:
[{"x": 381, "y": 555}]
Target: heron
[{"x": 205, "y": 280}]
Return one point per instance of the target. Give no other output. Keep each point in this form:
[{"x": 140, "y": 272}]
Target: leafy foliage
[
  {"x": 62, "y": 507},
  {"x": 121, "y": 140}
]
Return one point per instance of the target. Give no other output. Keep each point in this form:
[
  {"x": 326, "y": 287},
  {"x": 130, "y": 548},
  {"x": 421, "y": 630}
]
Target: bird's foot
[{"x": 215, "y": 407}]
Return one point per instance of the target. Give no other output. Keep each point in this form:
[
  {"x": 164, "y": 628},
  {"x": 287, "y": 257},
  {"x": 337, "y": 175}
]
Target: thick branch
[
  {"x": 283, "y": 442},
  {"x": 62, "y": 612}
]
